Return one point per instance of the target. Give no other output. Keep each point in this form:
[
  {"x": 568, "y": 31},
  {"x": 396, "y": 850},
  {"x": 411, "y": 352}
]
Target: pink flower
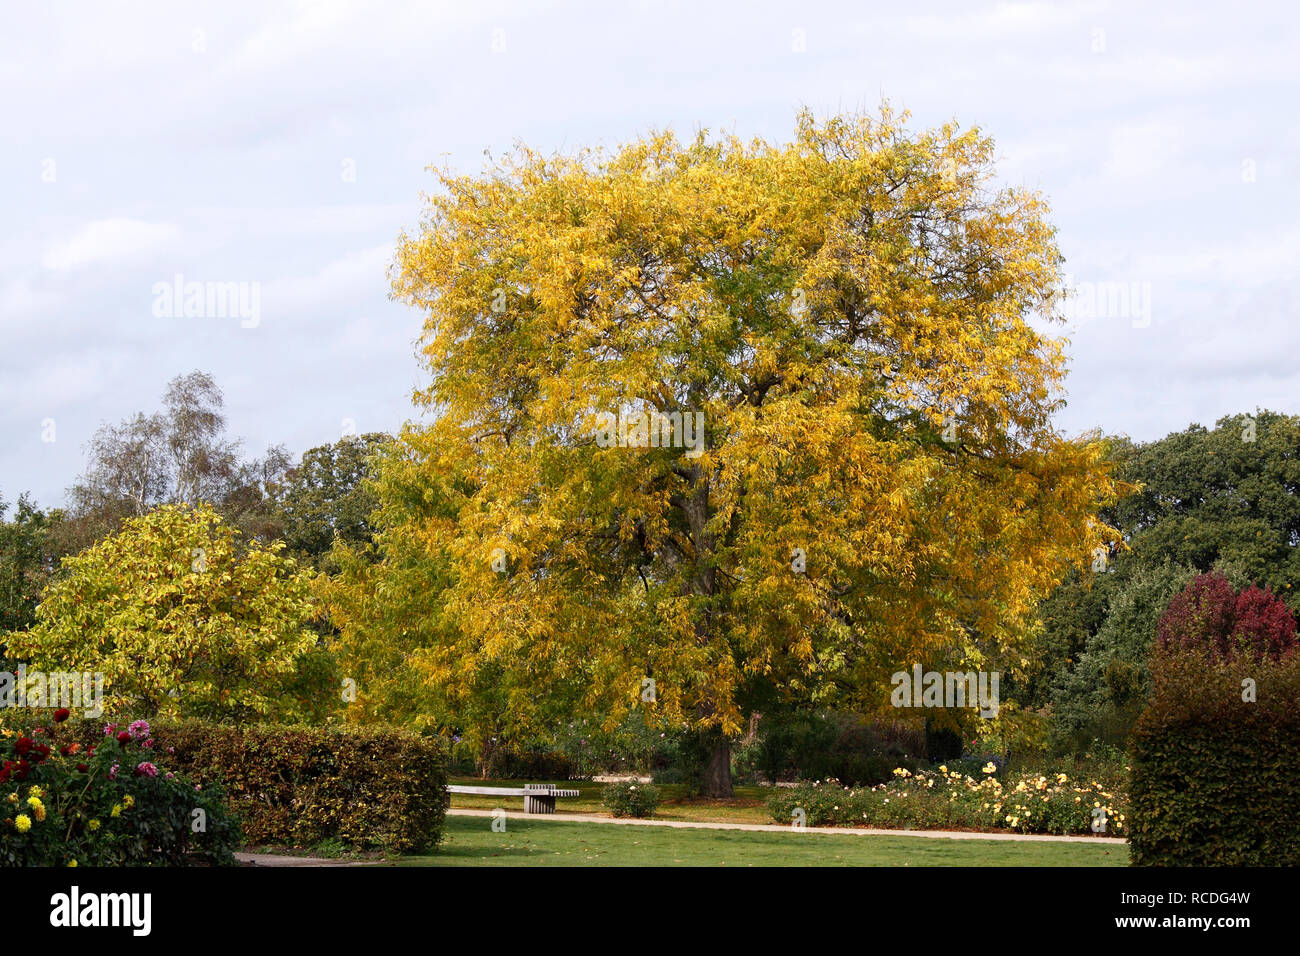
[
  {"x": 112, "y": 772},
  {"x": 146, "y": 769},
  {"x": 110, "y": 730},
  {"x": 139, "y": 729}
]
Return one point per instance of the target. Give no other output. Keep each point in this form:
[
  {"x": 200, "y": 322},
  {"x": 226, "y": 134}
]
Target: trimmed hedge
[
  {"x": 1216, "y": 779},
  {"x": 372, "y": 788}
]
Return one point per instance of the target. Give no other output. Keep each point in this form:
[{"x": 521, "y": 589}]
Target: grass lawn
[{"x": 470, "y": 841}]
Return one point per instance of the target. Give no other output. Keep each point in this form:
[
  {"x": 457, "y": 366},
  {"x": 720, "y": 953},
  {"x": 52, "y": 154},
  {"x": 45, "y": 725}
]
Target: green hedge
[
  {"x": 1215, "y": 779},
  {"x": 374, "y": 788}
]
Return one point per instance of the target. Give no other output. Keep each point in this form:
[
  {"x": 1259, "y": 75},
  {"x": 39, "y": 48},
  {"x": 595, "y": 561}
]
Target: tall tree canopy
[
  {"x": 326, "y": 496},
  {"x": 179, "y": 455},
  {"x": 29, "y": 557},
  {"x": 860, "y": 320},
  {"x": 1225, "y": 498}
]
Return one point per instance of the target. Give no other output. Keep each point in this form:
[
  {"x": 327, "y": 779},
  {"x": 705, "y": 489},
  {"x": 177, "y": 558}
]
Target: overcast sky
[{"x": 284, "y": 144}]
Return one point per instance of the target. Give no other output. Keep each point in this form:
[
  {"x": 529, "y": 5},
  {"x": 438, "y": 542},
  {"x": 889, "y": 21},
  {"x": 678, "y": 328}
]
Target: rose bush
[
  {"x": 945, "y": 798},
  {"x": 67, "y": 803},
  {"x": 630, "y": 799}
]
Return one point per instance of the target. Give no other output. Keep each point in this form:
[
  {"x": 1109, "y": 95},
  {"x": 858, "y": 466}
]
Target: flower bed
[
  {"x": 949, "y": 799},
  {"x": 104, "y": 804}
]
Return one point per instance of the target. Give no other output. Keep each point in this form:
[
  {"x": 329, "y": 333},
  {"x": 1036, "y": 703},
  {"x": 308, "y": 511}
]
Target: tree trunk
[{"x": 716, "y": 774}]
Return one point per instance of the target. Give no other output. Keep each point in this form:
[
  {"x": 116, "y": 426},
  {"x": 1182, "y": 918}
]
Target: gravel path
[
  {"x": 777, "y": 828},
  {"x": 275, "y": 859}
]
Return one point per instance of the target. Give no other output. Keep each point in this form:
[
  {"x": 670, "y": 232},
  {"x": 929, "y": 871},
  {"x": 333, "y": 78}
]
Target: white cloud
[
  {"x": 107, "y": 240},
  {"x": 1143, "y": 149},
  {"x": 222, "y": 161}
]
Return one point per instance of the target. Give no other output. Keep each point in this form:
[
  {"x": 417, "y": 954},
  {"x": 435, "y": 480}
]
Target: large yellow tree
[{"x": 713, "y": 421}]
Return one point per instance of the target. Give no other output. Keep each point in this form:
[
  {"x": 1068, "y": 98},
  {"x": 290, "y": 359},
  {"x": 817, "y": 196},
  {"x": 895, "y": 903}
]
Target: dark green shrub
[
  {"x": 830, "y": 745},
  {"x": 1215, "y": 777},
  {"x": 630, "y": 799}
]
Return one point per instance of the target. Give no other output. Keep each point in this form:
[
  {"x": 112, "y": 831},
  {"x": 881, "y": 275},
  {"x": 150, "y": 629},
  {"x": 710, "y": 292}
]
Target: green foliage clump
[
  {"x": 1100, "y": 697},
  {"x": 181, "y": 616},
  {"x": 630, "y": 799}
]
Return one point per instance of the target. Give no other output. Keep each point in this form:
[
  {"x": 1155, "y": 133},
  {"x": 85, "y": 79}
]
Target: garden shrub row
[
  {"x": 1216, "y": 775},
  {"x": 367, "y": 788},
  {"x": 373, "y": 788}
]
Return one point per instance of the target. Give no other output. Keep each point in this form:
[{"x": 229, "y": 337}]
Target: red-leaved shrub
[{"x": 1209, "y": 614}]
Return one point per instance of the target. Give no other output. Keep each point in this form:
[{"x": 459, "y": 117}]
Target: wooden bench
[{"x": 538, "y": 797}]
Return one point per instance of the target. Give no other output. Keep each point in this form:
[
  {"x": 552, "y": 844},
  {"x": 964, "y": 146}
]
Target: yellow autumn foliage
[{"x": 863, "y": 320}]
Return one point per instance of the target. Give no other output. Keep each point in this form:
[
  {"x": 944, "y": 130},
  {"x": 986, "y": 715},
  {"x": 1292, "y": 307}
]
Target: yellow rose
[
  {"x": 22, "y": 823},
  {"x": 73, "y": 863}
]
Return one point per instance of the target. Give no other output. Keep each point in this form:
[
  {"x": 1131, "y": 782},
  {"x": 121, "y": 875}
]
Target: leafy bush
[
  {"x": 528, "y": 763},
  {"x": 630, "y": 799},
  {"x": 1209, "y": 613},
  {"x": 104, "y": 804},
  {"x": 946, "y": 798},
  {"x": 1216, "y": 768},
  {"x": 369, "y": 788}
]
